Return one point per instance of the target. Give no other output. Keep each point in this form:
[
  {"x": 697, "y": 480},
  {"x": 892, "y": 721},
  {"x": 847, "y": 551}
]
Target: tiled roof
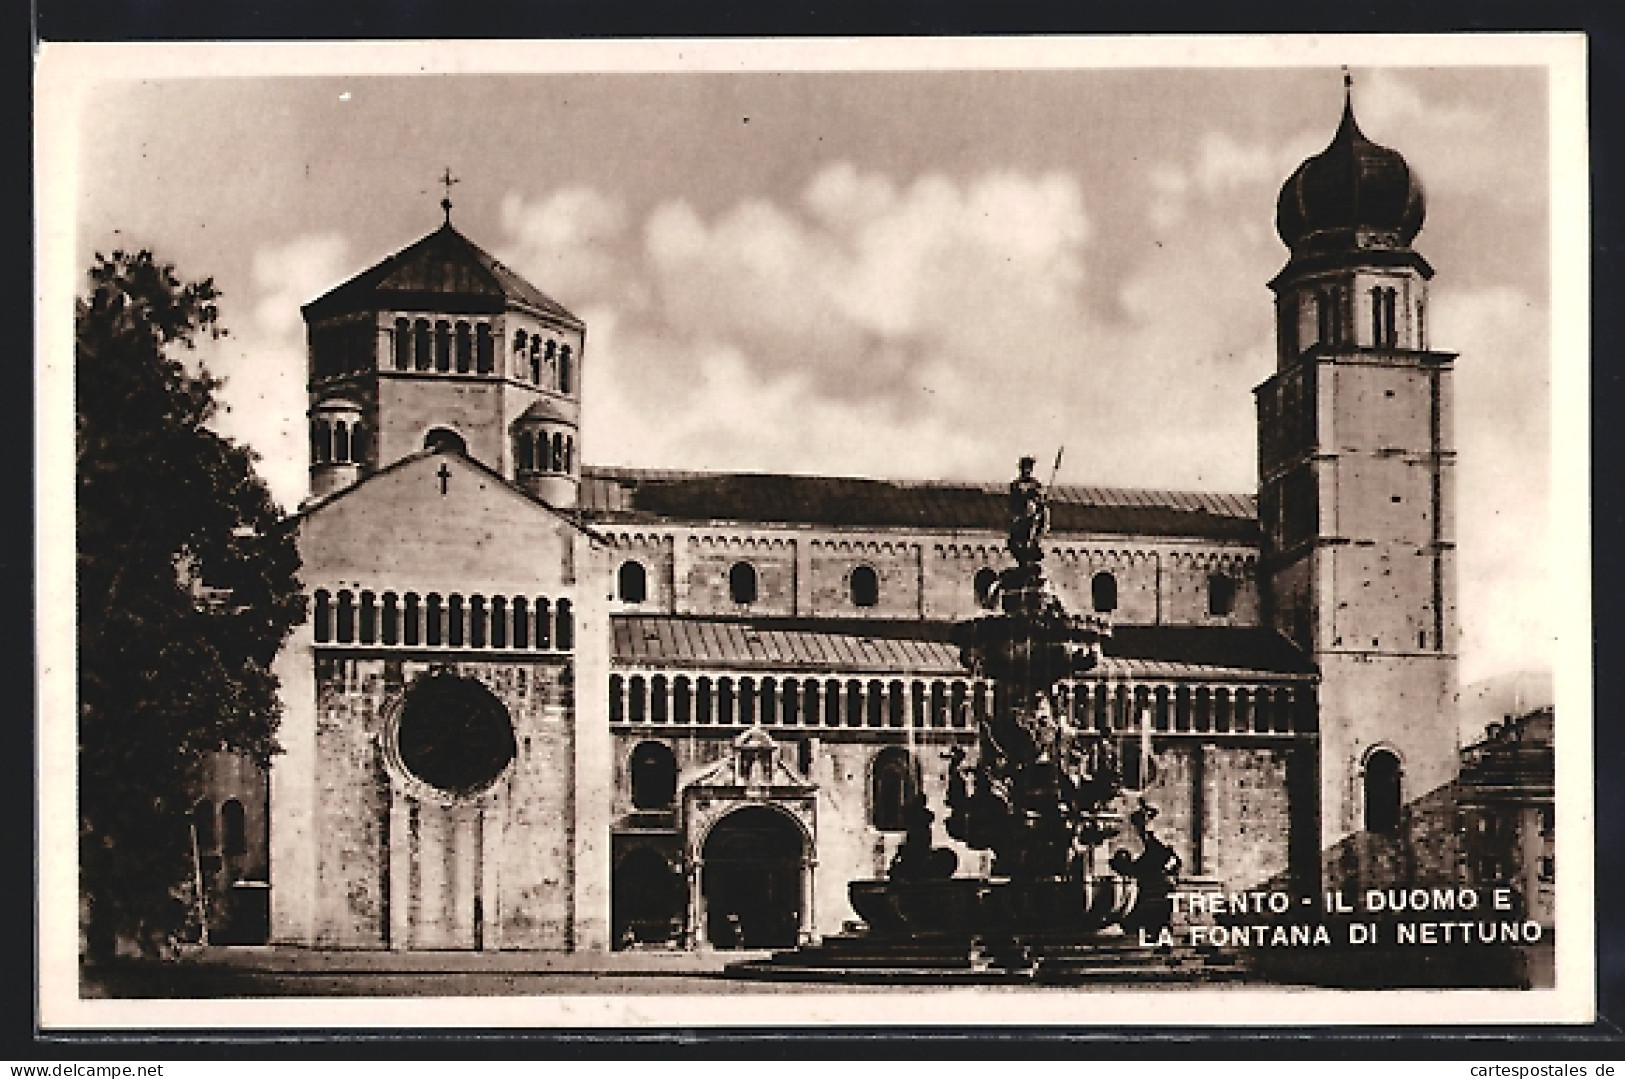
[
  {"x": 901, "y": 647},
  {"x": 546, "y": 409},
  {"x": 626, "y": 495},
  {"x": 444, "y": 271},
  {"x": 1515, "y": 761}
]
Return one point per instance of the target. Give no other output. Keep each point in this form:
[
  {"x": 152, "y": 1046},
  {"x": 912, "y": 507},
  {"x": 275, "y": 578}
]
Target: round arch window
[
  {"x": 654, "y": 776},
  {"x": 742, "y": 582},
  {"x": 445, "y": 440},
  {"x": 454, "y": 735},
  {"x": 632, "y": 582},
  {"x": 1382, "y": 791},
  {"x": 865, "y": 584},
  {"x": 1103, "y": 592}
]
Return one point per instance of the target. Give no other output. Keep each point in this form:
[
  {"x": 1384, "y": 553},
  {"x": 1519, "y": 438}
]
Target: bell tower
[
  {"x": 1356, "y": 481},
  {"x": 441, "y": 347}
]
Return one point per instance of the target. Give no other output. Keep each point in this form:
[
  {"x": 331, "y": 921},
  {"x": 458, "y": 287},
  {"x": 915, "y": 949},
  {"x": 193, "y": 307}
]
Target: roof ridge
[
  {"x": 503, "y": 280},
  {"x": 603, "y": 471}
]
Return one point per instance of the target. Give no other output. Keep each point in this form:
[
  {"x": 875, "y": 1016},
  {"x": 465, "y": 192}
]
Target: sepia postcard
[{"x": 1005, "y": 531}]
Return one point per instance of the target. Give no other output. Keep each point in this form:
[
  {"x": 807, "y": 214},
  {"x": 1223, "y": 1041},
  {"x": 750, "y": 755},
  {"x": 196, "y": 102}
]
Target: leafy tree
[{"x": 187, "y": 574}]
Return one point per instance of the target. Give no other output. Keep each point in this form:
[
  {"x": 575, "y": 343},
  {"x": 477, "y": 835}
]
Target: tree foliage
[{"x": 187, "y": 575}]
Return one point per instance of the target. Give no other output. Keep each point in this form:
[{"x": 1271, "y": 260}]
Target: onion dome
[{"x": 1353, "y": 194}]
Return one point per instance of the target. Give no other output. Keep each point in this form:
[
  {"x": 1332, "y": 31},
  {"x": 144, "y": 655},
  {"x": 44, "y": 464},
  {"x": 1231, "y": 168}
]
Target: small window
[
  {"x": 742, "y": 582},
  {"x": 411, "y": 619},
  {"x": 564, "y": 369},
  {"x": 521, "y": 623},
  {"x": 403, "y": 344},
  {"x": 434, "y": 622},
  {"x": 1103, "y": 592},
  {"x": 633, "y": 583},
  {"x": 422, "y": 347},
  {"x": 564, "y": 627},
  {"x": 455, "y": 622},
  {"x": 1221, "y": 595},
  {"x": 390, "y": 621},
  {"x": 441, "y": 440},
  {"x": 442, "y": 346},
  {"x": 346, "y": 617},
  {"x": 892, "y": 787},
  {"x": 982, "y": 586},
  {"x": 1382, "y": 772},
  {"x": 203, "y": 821},
  {"x": 465, "y": 347},
  {"x": 865, "y": 587},
  {"x": 499, "y": 622},
  {"x": 321, "y": 442},
  {"x": 654, "y": 776},
  {"x": 234, "y": 826}
]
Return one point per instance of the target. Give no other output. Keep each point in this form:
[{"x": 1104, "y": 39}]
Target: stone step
[
  {"x": 765, "y": 970},
  {"x": 865, "y": 959}
]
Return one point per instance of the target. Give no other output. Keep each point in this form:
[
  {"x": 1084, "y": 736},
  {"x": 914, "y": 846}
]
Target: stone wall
[
  {"x": 1240, "y": 832},
  {"x": 808, "y": 573},
  {"x": 516, "y": 842}
]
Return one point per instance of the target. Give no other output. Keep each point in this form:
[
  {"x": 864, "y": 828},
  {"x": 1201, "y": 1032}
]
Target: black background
[{"x": 112, "y": 20}]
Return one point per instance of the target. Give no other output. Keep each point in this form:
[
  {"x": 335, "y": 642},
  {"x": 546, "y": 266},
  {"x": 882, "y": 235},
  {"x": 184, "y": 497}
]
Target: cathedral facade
[{"x": 546, "y": 705}]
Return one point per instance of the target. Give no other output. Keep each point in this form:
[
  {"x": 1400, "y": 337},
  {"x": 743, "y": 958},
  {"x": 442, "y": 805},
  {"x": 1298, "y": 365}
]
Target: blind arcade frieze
[{"x": 433, "y": 620}]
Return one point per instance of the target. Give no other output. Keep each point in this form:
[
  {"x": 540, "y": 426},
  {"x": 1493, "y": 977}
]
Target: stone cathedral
[{"x": 546, "y": 705}]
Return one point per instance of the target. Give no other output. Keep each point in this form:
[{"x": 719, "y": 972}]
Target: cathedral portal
[{"x": 754, "y": 859}]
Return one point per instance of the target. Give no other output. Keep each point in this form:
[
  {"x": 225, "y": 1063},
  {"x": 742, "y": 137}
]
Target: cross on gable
[
  {"x": 445, "y": 477},
  {"x": 447, "y": 179}
]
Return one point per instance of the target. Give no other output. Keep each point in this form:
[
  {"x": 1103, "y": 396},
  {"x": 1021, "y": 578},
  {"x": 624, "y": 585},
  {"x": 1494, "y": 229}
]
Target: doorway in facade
[
  {"x": 752, "y": 880},
  {"x": 646, "y": 899}
]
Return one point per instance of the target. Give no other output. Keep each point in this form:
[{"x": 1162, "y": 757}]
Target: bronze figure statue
[{"x": 1029, "y": 516}]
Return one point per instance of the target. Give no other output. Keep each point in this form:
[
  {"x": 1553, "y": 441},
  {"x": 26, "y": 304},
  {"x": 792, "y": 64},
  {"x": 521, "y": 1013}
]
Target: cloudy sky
[{"x": 906, "y": 274}]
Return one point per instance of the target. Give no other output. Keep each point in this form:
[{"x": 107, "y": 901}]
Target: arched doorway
[
  {"x": 646, "y": 899},
  {"x": 753, "y": 865}
]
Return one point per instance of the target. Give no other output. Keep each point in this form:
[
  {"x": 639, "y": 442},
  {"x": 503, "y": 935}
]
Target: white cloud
[
  {"x": 568, "y": 244},
  {"x": 936, "y": 329},
  {"x": 263, "y": 361},
  {"x": 1453, "y": 145},
  {"x": 292, "y": 274},
  {"x": 874, "y": 282}
]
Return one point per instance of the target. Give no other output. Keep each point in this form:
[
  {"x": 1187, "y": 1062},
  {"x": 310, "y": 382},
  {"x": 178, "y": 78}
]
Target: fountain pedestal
[{"x": 1038, "y": 793}]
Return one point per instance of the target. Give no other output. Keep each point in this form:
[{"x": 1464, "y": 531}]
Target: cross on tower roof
[{"x": 448, "y": 179}]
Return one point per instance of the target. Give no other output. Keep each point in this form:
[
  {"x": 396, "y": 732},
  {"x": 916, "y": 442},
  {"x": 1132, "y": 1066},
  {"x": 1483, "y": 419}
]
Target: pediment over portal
[{"x": 754, "y": 773}]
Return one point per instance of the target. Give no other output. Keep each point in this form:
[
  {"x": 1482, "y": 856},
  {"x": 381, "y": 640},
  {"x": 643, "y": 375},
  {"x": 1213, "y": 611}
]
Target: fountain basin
[{"x": 969, "y": 905}]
